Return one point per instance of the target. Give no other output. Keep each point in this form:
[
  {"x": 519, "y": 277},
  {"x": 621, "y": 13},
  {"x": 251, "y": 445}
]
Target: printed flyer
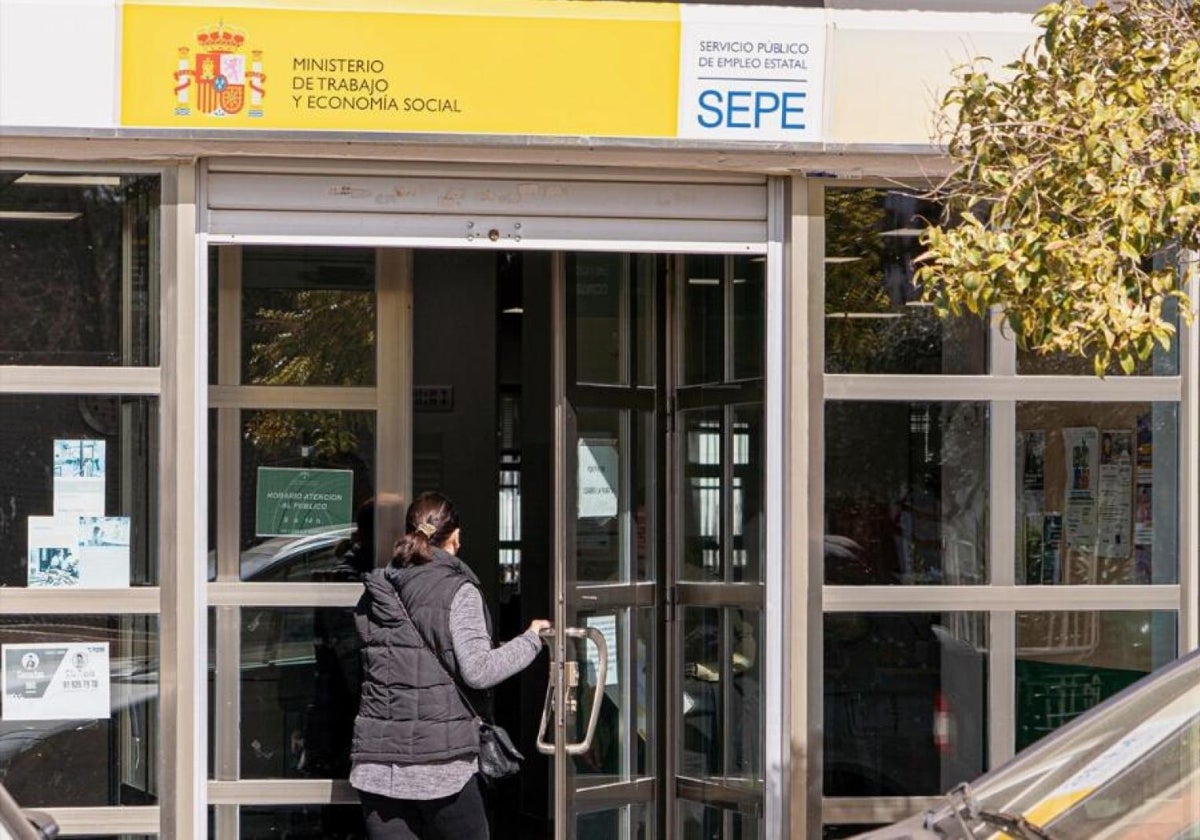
[
  {"x": 53, "y": 552},
  {"x": 1115, "y": 495},
  {"x": 52, "y": 681},
  {"x": 1081, "y": 447},
  {"x": 79, "y": 467}
]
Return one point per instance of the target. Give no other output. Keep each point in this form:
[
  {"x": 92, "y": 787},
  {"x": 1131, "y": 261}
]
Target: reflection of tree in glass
[
  {"x": 870, "y": 248},
  {"x": 63, "y": 279},
  {"x": 853, "y": 220},
  {"x": 311, "y": 337}
]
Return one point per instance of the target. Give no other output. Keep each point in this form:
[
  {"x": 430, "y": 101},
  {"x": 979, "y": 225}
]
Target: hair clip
[{"x": 426, "y": 529}]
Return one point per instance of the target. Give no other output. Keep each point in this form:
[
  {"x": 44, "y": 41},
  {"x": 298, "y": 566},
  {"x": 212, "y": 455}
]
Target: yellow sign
[{"x": 545, "y": 67}]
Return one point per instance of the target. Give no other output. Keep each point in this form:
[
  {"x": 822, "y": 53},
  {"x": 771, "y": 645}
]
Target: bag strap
[{"x": 457, "y": 687}]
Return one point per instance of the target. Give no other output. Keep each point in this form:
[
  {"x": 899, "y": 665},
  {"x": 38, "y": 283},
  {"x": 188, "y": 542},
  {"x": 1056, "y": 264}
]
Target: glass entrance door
[{"x": 653, "y": 714}]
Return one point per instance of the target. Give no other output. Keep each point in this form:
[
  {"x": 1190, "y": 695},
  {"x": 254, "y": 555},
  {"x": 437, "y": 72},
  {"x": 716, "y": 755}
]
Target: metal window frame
[
  {"x": 167, "y": 381},
  {"x": 1001, "y": 388}
]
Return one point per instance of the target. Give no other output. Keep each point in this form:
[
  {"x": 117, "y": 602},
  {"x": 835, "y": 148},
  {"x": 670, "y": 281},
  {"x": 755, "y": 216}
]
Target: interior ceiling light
[
  {"x": 704, "y": 281},
  {"x": 903, "y": 232},
  {"x": 840, "y": 260},
  {"x": 864, "y": 315},
  {"x": 514, "y": 310},
  {"x": 37, "y": 216},
  {"x": 39, "y": 180}
]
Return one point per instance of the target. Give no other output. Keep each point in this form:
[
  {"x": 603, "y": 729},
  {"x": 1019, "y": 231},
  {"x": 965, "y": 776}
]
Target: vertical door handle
[{"x": 546, "y": 746}]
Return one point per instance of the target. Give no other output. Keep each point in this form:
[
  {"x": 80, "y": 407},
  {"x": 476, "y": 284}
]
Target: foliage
[
  {"x": 312, "y": 337},
  {"x": 1077, "y": 183}
]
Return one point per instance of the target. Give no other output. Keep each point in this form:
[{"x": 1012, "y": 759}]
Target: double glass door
[
  {"x": 654, "y": 711},
  {"x": 618, "y": 399}
]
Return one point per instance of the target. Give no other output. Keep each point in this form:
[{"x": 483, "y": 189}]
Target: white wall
[{"x": 59, "y": 63}]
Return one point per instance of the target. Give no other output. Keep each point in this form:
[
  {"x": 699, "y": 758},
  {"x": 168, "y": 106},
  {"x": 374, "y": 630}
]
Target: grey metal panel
[{"x": 485, "y": 196}]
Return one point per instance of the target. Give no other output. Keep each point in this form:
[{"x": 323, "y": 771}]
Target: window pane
[
  {"x": 722, "y": 694},
  {"x": 905, "y": 702},
  {"x": 80, "y": 723},
  {"x": 874, "y": 319},
  {"x": 706, "y": 822},
  {"x": 300, "y": 679},
  {"x": 1067, "y": 662},
  {"x": 80, "y": 483},
  {"x": 614, "y": 482},
  {"x": 79, "y": 255},
  {"x": 308, "y": 316},
  {"x": 905, "y": 493},
  {"x": 613, "y": 307},
  {"x": 301, "y": 822},
  {"x": 749, "y": 315},
  {"x": 1099, "y": 495},
  {"x": 702, "y": 324},
  {"x": 331, "y": 453},
  {"x": 636, "y": 820}
]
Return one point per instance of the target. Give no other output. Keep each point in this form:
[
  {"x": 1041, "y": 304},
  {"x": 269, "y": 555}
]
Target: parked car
[{"x": 1129, "y": 769}]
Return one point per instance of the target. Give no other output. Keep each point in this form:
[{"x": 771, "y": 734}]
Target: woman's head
[{"x": 432, "y": 520}]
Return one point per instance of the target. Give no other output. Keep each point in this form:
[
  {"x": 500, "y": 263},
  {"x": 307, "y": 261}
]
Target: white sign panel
[
  {"x": 598, "y": 464},
  {"x": 52, "y": 681},
  {"x": 607, "y": 625},
  {"x": 755, "y": 80}
]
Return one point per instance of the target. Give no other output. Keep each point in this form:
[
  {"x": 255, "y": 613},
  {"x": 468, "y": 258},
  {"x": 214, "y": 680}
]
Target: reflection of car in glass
[
  {"x": 61, "y": 761},
  {"x": 904, "y": 697},
  {"x": 1127, "y": 770}
]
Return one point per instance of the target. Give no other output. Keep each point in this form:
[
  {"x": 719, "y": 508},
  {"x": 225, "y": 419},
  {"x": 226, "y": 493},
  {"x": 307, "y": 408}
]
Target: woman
[{"x": 416, "y": 745}]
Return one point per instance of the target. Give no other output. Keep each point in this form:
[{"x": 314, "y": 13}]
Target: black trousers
[{"x": 458, "y": 817}]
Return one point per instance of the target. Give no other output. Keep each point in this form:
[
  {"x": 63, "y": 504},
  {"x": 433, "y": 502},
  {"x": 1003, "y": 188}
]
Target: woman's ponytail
[{"x": 430, "y": 521}]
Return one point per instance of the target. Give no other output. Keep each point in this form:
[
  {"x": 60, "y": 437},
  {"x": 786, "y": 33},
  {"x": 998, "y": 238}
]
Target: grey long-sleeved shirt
[{"x": 480, "y": 666}]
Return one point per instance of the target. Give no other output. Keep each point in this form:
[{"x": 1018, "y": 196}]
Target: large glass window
[
  {"x": 79, "y": 256},
  {"x": 1099, "y": 490},
  {"x": 875, "y": 321},
  {"x": 80, "y": 710},
  {"x": 80, "y": 495},
  {"x": 905, "y": 493},
  {"x": 308, "y": 316},
  {"x": 1067, "y": 662},
  {"x": 906, "y": 708}
]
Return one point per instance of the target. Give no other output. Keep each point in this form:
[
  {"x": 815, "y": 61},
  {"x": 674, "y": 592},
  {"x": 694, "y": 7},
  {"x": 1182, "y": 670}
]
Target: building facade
[{"x": 631, "y": 283}]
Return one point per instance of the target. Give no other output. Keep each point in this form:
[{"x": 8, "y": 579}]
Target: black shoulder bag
[{"x": 498, "y": 756}]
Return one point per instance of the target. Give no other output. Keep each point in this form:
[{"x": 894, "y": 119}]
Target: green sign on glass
[{"x": 296, "y": 501}]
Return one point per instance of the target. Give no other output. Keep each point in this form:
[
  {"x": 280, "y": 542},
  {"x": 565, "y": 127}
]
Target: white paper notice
[
  {"x": 607, "y": 625},
  {"x": 55, "y": 681},
  {"x": 53, "y": 551},
  {"x": 79, "y": 467},
  {"x": 1082, "y": 458},
  {"x": 598, "y": 464},
  {"x": 103, "y": 551},
  {"x": 1115, "y": 495},
  {"x": 742, "y": 80}
]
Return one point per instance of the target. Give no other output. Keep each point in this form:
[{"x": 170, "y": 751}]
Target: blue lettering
[
  {"x": 705, "y": 98},
  {"x": 761, "y": 97},
  {"x": 737, "y": 109},
  {"x": 789, "y": 108}
]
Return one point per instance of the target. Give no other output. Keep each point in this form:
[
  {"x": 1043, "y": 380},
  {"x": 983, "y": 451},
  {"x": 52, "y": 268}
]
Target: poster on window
[
  {"x": 598, "y": 464},
  {"x": 53, "y": 552},
  {"x": 79, "y": 467},
  {"x": 55, "y": 681},
  {"x": 1052, "y": 532},
  {"x": 1033, "y": 469},
  {"x": 1115, "y": 495},
  {"x": 1081, "y": 448},
  {"x": 103, "y": 543}
]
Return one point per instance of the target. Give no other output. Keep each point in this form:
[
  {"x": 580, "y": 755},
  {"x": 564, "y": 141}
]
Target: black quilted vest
[{"x": 410, "y": 712}]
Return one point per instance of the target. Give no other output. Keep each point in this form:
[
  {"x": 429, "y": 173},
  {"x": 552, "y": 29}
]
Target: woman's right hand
[{"x": 538, "y": 625}]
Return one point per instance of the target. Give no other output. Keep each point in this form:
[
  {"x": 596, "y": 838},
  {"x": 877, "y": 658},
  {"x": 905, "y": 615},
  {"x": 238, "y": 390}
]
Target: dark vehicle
[{"x": 1129, "y": 769}]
